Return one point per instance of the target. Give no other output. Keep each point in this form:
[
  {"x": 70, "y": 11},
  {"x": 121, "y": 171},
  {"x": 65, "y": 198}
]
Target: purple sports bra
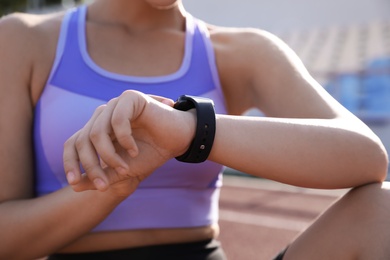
[{"x": 175, "y": 195}]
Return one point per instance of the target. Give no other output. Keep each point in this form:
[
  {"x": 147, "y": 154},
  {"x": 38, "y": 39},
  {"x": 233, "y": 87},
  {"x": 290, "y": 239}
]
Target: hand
[{"x": 125, "y": 141}]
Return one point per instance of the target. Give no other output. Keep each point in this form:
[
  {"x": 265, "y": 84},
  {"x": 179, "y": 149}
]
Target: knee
[
  {"x": 371, "y": 208},
  {"x": 371, "y": 189},
  {"x": 372, "y": 199}
]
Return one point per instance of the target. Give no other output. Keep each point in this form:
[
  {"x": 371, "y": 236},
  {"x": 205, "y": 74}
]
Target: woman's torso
[{"x": 136, "y": 237}]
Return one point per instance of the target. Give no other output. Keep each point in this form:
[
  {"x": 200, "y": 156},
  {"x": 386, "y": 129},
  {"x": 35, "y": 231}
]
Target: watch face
[{"x": 184, "y": 103}]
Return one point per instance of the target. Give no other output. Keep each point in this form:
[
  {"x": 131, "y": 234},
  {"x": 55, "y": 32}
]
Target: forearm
[
  {"x": 44, "y": 225},
  {"x": 304, "y": 152}
]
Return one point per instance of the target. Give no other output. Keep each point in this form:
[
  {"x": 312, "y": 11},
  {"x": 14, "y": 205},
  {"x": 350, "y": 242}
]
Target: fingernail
[
  {"x": 99, "y": 184},
  {"x": 70, "y": 177},
  {"x": 132, "y": 152},
  {"x": 121, "y": 170}
]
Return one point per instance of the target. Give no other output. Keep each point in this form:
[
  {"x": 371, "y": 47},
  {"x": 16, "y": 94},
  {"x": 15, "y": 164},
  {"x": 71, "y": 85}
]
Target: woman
[{"x": 135, "y": 200}]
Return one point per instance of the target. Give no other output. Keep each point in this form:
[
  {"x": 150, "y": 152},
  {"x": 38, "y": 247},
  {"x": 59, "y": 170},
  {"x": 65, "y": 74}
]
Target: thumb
[{"x": 84, "y": 184}]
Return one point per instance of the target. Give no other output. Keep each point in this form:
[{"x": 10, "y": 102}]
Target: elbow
[
  {"x": 383, "y": 167},
  {"x": 369, "y": 160},
  {"x": 378, "y": 166}
]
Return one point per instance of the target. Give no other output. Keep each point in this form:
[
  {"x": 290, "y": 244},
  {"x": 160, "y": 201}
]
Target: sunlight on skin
[{"x": 386, "y": 185}]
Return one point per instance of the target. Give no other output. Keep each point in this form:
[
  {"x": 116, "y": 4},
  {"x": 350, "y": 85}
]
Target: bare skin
[{"x": 252, "y": 65}]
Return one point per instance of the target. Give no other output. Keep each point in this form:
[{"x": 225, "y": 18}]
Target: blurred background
[
  {"x": 344, "y": 44},
  {"x": 346, "y": 47}
]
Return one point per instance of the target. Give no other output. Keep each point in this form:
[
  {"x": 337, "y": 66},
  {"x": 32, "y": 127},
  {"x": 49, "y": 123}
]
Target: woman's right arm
[{"x": 33, "y": 227}]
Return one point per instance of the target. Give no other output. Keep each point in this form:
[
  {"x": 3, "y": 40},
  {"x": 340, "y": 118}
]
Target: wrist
[
  {"x": 202, "y": 142},
  {"x": 188, "y": 130}
]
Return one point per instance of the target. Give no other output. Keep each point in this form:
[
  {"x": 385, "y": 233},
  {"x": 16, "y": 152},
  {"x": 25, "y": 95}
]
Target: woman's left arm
[{"x": 307, "y": 138}]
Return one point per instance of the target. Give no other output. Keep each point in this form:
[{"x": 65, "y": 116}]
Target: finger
[
  {"x": 101, "y": 137},
  {"x": 91, "y": 164},
  {"x": 71, "y": 161},
  {"x": 164, "y": 100},
  {"x": 84, "y": 184},
  {"x": 126, "y": 109},
  {"x": 88, "y": 155},
  {"x": 103, "y": 164}
]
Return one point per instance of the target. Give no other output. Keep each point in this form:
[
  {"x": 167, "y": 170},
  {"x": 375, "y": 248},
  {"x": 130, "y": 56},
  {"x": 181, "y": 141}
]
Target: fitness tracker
[{"x": 201, "y": 146}]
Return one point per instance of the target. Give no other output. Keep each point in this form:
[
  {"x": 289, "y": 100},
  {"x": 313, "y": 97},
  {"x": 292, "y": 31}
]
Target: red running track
[{"x": 258, "y": 218}]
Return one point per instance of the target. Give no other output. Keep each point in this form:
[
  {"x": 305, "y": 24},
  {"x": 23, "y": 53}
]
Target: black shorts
[{"x": 204, "y": 250}]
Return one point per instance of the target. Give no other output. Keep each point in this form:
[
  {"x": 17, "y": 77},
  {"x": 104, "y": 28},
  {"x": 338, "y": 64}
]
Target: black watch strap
[{"x": 200, "y": 147}]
